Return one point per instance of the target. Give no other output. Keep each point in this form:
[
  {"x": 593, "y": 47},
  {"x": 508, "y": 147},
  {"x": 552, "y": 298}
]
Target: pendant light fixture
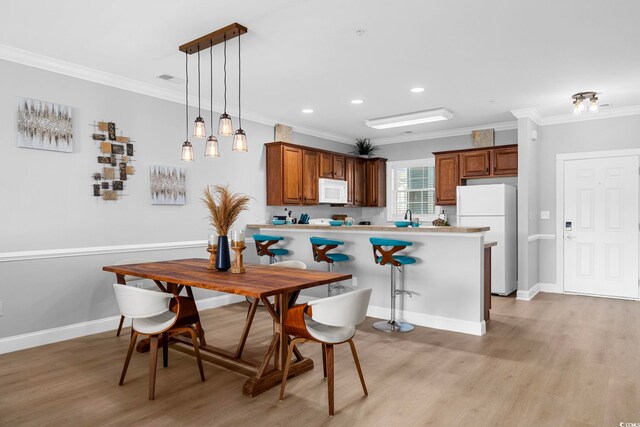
[
  {"x": 199, "y": 130},
  {"x": 211, "y": 149},
  {"x": 225, "y": 127},
  {"x": 187, "y": 148},
  {"x": 239, "y": 138}
]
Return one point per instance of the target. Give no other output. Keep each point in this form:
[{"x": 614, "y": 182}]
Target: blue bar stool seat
[
  {"x": 264, "y": 247},
  {"x": 384, "y": 252},
  {"x": 321, "y": 248}
]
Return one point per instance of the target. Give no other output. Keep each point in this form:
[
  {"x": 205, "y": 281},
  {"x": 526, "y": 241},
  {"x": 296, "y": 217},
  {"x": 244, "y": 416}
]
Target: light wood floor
[{"x": 557, "y": 360}]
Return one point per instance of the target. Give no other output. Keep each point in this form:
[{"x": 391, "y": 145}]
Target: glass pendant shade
[
  {"x": 187, "y": 152},
  {"x": 199, "y": 130},
  {"x": 225, "y": 127},
  {"x": 593, "y": 107},
  {"x": 240, "y": 141},
  {"x": 211, "y": 149}
]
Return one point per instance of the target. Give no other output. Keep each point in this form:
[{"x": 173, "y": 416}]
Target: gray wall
[
  {"x": 47, "y": 200},
  {"x": 594, "y": 135}
]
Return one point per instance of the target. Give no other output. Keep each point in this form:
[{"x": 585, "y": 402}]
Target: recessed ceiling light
[
  {"x": 417, "y": 89},
  {"x": 357, "y": 101},
  {"x": 410, "y": 119},
  {"x": 307, "y": 111}
]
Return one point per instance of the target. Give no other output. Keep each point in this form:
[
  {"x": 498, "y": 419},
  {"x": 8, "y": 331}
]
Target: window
[{"x": 411, "y": 185}]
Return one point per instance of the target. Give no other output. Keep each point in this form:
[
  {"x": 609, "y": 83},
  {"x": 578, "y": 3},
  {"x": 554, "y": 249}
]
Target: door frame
[{"x": 560, "y": 159}]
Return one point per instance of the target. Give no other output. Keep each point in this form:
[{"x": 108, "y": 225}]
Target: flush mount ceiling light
[
  {"x": 417, "y": 89},
  {"x": 357, "y": 101},
  {"x": 307, "y": 111},
  {"x": 410, "y": 119},
  {"x": 225, "y": 128},
  {"x": 580, "y": 100}
]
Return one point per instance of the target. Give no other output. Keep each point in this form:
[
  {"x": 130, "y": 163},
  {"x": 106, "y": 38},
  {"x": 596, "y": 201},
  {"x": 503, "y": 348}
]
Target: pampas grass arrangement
[{"x": 224, "y": 207}]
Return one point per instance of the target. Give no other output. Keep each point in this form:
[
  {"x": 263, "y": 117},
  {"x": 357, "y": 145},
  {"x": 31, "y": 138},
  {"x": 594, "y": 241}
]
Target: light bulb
[
  {"x": 593, "y": 107},
  {"x": 199, "y": 130},
  {"x": 225, "y": 127},
  {"x": 581, "y": 106},
  {"x": 211, "y": 149},
  {"x": 187, "y": 152},
  {"x": 239, "y": 141}
]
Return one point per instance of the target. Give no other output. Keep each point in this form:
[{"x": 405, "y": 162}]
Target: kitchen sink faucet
[{"x": 408, "y": 211}]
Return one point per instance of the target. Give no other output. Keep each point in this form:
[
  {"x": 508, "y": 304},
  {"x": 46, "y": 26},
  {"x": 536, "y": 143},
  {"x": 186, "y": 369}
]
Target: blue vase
[{"x": 223, "y": 260}]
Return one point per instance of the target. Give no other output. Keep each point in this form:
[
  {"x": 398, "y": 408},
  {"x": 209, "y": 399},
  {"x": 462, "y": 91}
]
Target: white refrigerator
[{"x": 495, "y": 206}]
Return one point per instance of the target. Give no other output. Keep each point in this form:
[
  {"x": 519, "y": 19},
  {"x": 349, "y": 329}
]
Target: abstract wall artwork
[
  {"x": 483, "y": 138},
  {"x": 168, "y": 185},
  {"x": 116, "y": 169},
  {"x": 44, "y": 125}
]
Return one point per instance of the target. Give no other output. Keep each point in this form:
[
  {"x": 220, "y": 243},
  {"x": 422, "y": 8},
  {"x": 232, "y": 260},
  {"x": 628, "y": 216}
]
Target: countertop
[{"x": 421, "y": 229}]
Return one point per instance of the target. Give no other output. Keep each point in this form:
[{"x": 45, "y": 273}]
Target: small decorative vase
[{"x": 223, "y": 259}]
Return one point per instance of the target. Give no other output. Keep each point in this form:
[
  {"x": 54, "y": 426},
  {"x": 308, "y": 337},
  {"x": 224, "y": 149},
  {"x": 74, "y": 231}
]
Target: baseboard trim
[
  {"x": 430, "y": 321},
  {"x": 551, "y": 288},
  {"x": 77, "y": 330},
  {"x": 528, "y": 295}
]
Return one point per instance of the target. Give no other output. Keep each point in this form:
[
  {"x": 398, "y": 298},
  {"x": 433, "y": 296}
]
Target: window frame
[{"x": 391, "y": 194}]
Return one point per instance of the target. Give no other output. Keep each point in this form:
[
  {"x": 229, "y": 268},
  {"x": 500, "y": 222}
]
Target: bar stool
[
  {"x": 386, "y": 256},
  {"x": 321, "y": 248},
  {"x": 263, "y": 246}
]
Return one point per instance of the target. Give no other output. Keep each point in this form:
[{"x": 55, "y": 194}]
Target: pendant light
[
  {"x": 199, "y": 130},
  {"x": 225, "y": 127},
  {"x": 187, "y": 148},
  {"x": 211, "y": 149},
  {"x": 239, "y": 138}
]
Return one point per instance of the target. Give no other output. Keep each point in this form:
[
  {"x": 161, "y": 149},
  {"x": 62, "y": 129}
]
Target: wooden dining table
[{"x": 258, "y": 282}]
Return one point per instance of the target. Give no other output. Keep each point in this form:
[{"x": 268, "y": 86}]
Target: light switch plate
[
  {"x": 354, "y": 281},
  {"x": 0, "y": 308},
  {"x": 545, "y": 215}
]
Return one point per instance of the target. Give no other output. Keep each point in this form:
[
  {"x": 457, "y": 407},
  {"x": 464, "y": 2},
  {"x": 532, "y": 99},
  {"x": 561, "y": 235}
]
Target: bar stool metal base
[{"x": 393, "y": 326}]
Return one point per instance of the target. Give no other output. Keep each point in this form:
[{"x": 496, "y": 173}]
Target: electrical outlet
[
  {"x": 545, "y": 215},
  {"x": 354, "y": 281}
]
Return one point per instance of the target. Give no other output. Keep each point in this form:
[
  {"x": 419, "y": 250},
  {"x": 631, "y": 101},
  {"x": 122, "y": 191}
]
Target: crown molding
[
  {"x": 529, "y": 113},
  {"x": 69, "y": 69},
  {"x": 609, "y": 113},
  {"x": 443, "y": 133}
]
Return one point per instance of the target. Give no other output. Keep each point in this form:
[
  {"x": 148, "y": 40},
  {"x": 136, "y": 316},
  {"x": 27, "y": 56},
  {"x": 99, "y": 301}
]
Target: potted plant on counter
[
  {"x": 224, "y": 209},
  {"x": 364, "y": 147}
]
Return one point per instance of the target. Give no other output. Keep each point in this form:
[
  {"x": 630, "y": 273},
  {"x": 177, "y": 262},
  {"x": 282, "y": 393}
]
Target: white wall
[
  {"x": 47, "y": 201},
  {"x": 594, "y": 135}
]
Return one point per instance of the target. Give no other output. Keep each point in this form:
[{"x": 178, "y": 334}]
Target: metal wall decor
[
  {"x": 116, "y": 156},
  {"x": 44, "y": 125}
]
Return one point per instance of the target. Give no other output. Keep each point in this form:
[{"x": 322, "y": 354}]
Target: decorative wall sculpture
[
  {"x": 44, "y": 125},
  {"x": 168, "y": 185},
  {"x": 116, "y": 157}
]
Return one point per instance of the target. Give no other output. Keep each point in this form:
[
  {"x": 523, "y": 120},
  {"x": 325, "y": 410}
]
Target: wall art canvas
[
  {"x": 483, "y": 138},
  {"x": 168, "y": 185},
  {"x": 44, "y": 125}
]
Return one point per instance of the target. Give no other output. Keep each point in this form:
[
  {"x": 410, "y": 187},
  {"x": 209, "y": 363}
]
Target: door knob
[{"x": 569, "y": 237}]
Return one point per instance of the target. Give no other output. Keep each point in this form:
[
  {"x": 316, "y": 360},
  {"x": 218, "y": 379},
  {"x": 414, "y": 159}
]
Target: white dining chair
[
  {"x": 155, "y": 314},
  {"x": 328, "y": 321},
  {"x": 130, "y": 279},
  {"x": 290, "y": 264}
]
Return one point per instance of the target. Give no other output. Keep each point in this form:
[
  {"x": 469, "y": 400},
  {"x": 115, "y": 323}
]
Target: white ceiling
[{"x": 479, "y": 59}]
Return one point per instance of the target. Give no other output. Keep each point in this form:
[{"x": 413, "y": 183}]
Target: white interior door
[{"x": 601, "y": 226}]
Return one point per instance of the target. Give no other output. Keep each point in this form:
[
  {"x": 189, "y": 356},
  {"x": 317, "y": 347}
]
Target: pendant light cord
[
  {"x": 199, "y": 115},
  {"x": 239, "y": 84},
  {"x": 211, "y": 67},
  {"x": 225, "y": 74},
  {"x": 186, "y": 91}
]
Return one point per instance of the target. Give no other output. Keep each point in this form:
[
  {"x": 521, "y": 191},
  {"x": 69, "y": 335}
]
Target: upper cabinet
[
  {"x": 293, "y": 172},
  {"x": 453, "y": 168},
  {"x": 332, "y": 166}
]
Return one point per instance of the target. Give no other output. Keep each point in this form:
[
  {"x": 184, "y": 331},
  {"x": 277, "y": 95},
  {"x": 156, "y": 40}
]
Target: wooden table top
[{"x": 258, "y": 281}]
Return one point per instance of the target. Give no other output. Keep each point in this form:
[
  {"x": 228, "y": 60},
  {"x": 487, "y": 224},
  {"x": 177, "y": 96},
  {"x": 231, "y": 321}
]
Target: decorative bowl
[
  {"x": 402, "y": 223},
  {"x": 335, "y": 223},
  {"x": 278, "y": 221}
]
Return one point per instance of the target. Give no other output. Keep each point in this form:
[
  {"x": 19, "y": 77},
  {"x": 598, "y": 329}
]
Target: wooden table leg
[{"x": 284, "y": 338}]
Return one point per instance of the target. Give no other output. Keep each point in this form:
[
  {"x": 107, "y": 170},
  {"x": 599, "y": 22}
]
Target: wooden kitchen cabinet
[
  {"x": 447, "y": 178},
  {"x": 292, "y": 175},
  {"x": 355, "y": 174},
  {"x": 505, "y": 161},
  {"x": 332, "y": 166},
  {"x": 475, "y": 164},
  {"x": 376, "y": 188}
]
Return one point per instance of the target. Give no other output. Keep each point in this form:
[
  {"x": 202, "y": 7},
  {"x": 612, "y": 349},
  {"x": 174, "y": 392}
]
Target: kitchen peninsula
[{"x": 447, "y": 279}]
